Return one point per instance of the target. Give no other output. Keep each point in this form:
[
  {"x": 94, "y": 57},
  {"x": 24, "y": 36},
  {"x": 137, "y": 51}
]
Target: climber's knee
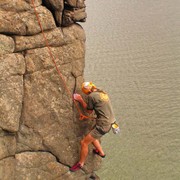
[{"x": 87, "y": 140}]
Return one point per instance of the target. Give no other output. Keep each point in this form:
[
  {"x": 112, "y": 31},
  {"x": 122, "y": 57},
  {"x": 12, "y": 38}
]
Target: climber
[{"x": 98, "y": 101}]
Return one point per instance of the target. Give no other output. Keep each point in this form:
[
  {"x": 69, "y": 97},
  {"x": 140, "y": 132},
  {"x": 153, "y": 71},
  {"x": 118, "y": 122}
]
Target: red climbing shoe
[
  {"x": 95, "y": 151},
  {"x": 76, "y": 167}
]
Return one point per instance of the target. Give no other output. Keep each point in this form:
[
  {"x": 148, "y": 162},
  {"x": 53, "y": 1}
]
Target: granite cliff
[{"x": 40, "y": 128}]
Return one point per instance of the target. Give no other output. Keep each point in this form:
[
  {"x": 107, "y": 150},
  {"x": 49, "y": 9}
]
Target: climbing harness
[{"x": 81, "y": 116}]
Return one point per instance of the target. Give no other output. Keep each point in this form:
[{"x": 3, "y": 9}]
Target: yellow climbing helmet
[{"x": 87, "y": 87}]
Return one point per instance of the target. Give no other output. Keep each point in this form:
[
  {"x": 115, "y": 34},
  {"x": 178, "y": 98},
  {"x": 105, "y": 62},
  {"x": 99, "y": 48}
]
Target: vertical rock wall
[{"x": 39, "y": 126}]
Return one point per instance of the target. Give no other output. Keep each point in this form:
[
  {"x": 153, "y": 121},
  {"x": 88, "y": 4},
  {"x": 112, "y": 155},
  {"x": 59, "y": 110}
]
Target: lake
[{"x": 133, "y": 52}]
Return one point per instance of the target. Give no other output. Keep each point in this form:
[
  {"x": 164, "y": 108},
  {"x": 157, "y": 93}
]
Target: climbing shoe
[
  {"x": 95, "y": 151},
  {"x": 76, "y": 167}
]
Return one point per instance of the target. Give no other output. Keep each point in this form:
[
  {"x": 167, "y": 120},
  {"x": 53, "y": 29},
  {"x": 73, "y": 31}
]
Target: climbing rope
[{"x": 81, "y": 116}]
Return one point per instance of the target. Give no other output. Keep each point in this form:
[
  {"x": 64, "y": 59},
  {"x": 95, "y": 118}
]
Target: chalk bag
[{"x": 115, "y": 128}]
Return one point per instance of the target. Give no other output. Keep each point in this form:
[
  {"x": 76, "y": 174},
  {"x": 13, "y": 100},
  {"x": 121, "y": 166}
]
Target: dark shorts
[{"x": 98, "y": 131}]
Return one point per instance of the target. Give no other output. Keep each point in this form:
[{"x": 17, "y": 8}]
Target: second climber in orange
[{"x": 97, "y": 101}]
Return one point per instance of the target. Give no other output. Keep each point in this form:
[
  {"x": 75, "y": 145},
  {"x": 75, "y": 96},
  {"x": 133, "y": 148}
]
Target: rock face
[{"x": 39, "y": 126}]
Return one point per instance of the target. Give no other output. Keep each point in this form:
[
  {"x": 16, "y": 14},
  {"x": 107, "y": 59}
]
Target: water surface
[{"x": 133, "y": 52}]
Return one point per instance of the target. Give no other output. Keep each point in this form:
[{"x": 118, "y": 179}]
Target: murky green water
[{"x": 133, "y": 52}]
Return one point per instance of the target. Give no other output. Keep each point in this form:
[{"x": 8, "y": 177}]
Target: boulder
[
  {"x": 12, "y": 68},
  {"x": 32, "y": 24},
  {"x": 72, "y": 16},
  {"x": 38, "y": 165},
  {"x": 11, "y": 23},
  {"x": 54, "y": 38},
  {"x": 15, "y": 5},
  {"x": 75, "y": 3},
  {"x": 7, "y": 168},
  {"x": 7, "y": 44},
  {"x": 39, "y": 59},
  {"x": 8, "y": 146},
  {"x": 25, "y": 22},
  {"x": 28, "y": 140},
  {"x": 57, "y": 5},
  {"x": 73, "y": 33}
]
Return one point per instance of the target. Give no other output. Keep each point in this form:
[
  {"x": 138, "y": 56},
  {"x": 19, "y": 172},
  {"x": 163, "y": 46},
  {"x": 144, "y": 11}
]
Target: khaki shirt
[{"x": 100, "y": 103}]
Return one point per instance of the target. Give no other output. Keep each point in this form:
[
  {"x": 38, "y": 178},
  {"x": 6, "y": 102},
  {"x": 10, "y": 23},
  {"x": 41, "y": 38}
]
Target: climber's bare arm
[{"x": 79, "y": 98}]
